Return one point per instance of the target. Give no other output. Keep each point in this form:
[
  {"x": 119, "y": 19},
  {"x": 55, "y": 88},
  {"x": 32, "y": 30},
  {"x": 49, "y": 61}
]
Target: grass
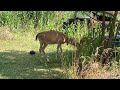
[{"x": 17, "y": 63}]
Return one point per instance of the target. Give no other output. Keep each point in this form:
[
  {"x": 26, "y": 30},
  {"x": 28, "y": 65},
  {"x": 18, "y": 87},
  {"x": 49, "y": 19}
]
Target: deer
[{"x": 54, "y": 37}]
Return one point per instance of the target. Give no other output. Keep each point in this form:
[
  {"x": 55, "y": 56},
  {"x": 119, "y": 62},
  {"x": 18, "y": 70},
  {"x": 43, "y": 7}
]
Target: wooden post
[{"x": 103, "y": 27}]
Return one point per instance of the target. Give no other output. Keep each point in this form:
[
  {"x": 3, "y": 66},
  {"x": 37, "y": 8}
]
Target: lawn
[{"x": 17, "y": 63}]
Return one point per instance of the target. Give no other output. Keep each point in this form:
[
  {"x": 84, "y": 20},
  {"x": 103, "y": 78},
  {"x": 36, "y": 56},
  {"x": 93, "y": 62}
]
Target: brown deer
[{"x": 54, "y": 37}]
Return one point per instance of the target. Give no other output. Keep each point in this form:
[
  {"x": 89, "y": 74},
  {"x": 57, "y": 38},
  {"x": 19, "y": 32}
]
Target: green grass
[{"x": 17, "y": 63}]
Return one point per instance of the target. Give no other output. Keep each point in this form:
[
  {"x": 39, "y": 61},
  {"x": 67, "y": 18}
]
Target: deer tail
[{"x": 37, "y": 36}]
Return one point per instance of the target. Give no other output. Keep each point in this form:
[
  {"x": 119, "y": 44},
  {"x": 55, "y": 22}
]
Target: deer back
[{"x": 52, "y": 37}]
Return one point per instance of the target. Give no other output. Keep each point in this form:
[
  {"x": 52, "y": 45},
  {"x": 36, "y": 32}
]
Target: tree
[{"x": 112, "y": 28}]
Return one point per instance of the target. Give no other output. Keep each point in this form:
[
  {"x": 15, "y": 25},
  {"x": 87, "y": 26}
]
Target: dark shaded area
[
  {"x": 100, "y": 17},
  {"x": 69, "y": 21},
  {"x": 115, "y": 40},
  {"x": 22, "y": 65},
  {"x": 74, "y": 21}
]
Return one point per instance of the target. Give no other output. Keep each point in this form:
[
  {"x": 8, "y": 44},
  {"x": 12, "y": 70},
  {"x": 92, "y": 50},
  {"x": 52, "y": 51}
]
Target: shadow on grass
[{"x": 22, "y": 65}]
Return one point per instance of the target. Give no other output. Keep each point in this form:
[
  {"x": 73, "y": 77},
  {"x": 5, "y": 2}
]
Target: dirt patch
[{"x": 5, "y": 34}]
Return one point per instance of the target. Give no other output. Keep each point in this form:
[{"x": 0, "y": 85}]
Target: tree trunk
[
  {"x": 112, "y": 28},
  {"x": 103, "y": 27},
  {"x": 118, "y": 28}
]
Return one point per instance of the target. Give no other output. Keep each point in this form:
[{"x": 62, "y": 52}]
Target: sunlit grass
[{"x": 17, "y": 63}]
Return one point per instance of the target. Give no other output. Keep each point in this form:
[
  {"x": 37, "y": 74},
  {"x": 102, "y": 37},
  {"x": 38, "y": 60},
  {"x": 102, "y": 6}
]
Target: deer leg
[
  {"x": 57, "y": 51},
  {"x": 40, "y": 49},
  {"x": 43, "y": 48},
  {"x": 58, "y": 46},
  {"x": 61, "y": 54}
]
